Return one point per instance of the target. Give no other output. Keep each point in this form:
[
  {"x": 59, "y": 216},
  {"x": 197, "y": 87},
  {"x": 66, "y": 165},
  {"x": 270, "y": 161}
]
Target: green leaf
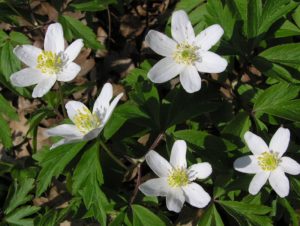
[
  {"x": 294, "y": 218},
  {"x": 296, "y": 16},
  {"x": 238, "y": 126},
  {"x": 204, "y": 140},
  {"x": 8, "y": 65},
  {"x": 286, "y": 54},
  {"x": 88, "y": 169},
  {"x": 18, "y": 216},
  {"x": 275, "y": 71},
  {"x": 278, "y": 101},
  {"x": 254, "y": 17},
  {"x": 211, "y": 217},
  {"x": 73, "y": 28},
  {"x": 8, "y": 109},
  {"x": 287, "y": 29},
  {"x": 5, "y": 134},
  {"x": 144, "y": 217},
  {"x": 53, "y": 163},
  {"x": 18, "y": 38},
  {"x": 9, "y": 62},
  {"x": 123, "y": 113},
  {"x": 87, "y": 179},
  {"x": 18, "y": 194},
  {"x": 245, "y": 213},
  {"x": 272, "y": 12},
  {"x": 92, "y": 5}
]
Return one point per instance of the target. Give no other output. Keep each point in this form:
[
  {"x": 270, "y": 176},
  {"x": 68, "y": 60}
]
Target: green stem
[
  {"x": 108, "y": 151},
  {"x": 61, "y": 95}
]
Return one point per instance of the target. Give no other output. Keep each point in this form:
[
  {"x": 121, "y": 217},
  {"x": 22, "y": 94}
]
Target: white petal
[
  {"x": 178, "y": 153},
  {"x": 211, "y": 63},
  {"x": 54, "y": 38},
  {"x": 155, "y": 187},
  {"x": 200, "y": 170},
  {"x": 190, "y": 79},
  {"x": 279, "y": 182},
  {"x": 73, "y": 107},
  {"x": 209, "y": 37},
  {"x": 69, "y": 72},
  {"x": 26, "y": 77},
  {"x": 43, "y": 86},
  {"x": 158, "y": 164},
  {"x": 28, "y": 54},
  {"x": 175, "y": 200},
  {"x": 111, "y": 108},
  {"x": 181, "y": 27},
  {"x": 92, "y": 134},
  {"x": 247, "y": 164},
  {"x": 289, "y": 165},
  {"x": 280, "y": 141},
  {"x": 255, "y": 143},
  {"x": 160, "y": 43},
  {"x": 164, "y": 70},
  {"x": 74, "y": 49},
  {"x": 66, "y": 141},
  {"x": 195, "y": 195},
  {"x": 258, "y": 181},
  {"x": 65, "y": 130},
  {"x": 102, "y": 101}
]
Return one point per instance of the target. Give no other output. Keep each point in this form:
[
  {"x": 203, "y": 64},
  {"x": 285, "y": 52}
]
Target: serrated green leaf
[
  {"x": 18, "y": 38},
  {"x": 246, "y": 212},
  {"x": 5, "y": 134},
  {"x": 17, "y": 217},
  {"x": 211, "y": 217},
  {"x": 7, "y": 109},
  {"x": 278, "y": 101},
  {"x": 18, "y": 194},
  {"x": 286, "y": 54},
  {"x": 53, "y": 163},
  {"x": 87, "y": 169},
  {"x": 144, "y": 217},
  {"x": 73, "y": 28}
]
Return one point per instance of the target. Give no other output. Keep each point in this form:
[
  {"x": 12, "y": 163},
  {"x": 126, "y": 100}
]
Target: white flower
[
  {"x": 186, "y": 54},
  {"x": 267, "y": 163},
  {"x": 88, "y": 124},
  {"x": 48, "y": 65},
  {"x": 175, "y": 179}
]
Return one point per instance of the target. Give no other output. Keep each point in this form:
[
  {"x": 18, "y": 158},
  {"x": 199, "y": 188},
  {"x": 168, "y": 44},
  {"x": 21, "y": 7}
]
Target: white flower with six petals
[
  {"x": 186, "y": 54},
  {"x": 87, "y": 125},
  {"x": 175, "y": 180},
  {"x": 267, "y": 163},
  {"x": 48, "y": 65}
]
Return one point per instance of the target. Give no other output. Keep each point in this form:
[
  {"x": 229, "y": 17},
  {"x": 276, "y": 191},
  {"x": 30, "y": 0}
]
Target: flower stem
[
  {"x": 61, "y": 95},
  {"x": 109, "y": 152}
]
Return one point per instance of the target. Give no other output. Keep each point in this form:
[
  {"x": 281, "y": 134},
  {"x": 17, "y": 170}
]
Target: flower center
[
  {"x": 185, "y": 54},
  {"x": 178, "y": 177},
  {"x": 49, "y": 62},
  {"x": 85, "y": 121},
  {"x": 268, "y": 161}
]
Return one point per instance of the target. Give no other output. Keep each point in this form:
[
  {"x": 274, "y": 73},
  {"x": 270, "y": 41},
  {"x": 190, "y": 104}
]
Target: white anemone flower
[
  {"x": 267, "y": 163},
  {"x": 48, "y": 65},
  {"x": 175, "y": 180},
  {"x": 87, "y": 125},
  {"x": 186, "y": 54}
]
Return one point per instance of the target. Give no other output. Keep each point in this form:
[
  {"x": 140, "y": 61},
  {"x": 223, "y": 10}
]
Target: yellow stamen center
[
  {"x": 178, "y": 177},
  {"x": 268, "y": 161},
  {"x": 85, "y": 121},
  {"x": 49, "y": 62},
  {"x": 185, "y": 54}
]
